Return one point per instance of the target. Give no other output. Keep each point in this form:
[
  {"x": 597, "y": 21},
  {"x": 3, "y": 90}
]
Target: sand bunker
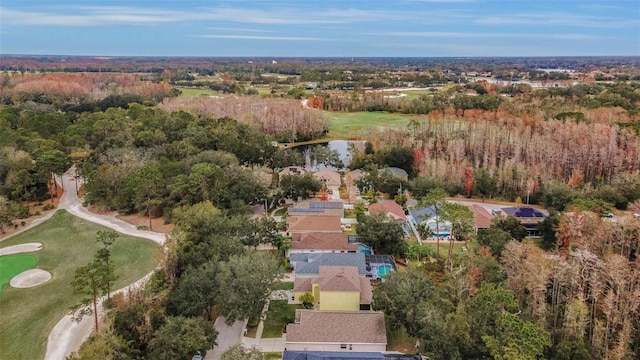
[
  {"x": 30, "y": 278},
  {"x": 21, "y": 248}
]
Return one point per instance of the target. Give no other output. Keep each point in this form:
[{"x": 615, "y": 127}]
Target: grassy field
[
  {"x": 190, "y": 92},
  {"x": 68, "y": 242},
  {"x": 279, "y": 314},
  {"x": 12, "y": 265},
  {"x": 444, "y": 247},
  {"x": 357, "y": 124}
]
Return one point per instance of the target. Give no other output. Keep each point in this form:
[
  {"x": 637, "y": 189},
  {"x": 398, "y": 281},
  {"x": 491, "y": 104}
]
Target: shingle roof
[
  {"x": 332, "y": 177},
  {"x": 355, "y": 175},
  {"x": 365, "y": 327},
  {"x": 331, "y": 355},
  {"x": 481, "y": 216},
  {"x": 309, "y": 263},
  {"x": 322, "y": 241},
  {"x": 389, "y": 207},
  {"x": 314, "y": 223},
  {"x": 338, "y": 278}
]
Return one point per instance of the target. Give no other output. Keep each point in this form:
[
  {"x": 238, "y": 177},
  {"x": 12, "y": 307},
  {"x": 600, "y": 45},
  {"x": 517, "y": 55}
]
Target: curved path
[{"x": 67, "y": 335}]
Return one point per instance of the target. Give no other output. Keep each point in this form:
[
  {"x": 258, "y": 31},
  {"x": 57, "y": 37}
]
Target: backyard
[{"x": 68, "y": 242}]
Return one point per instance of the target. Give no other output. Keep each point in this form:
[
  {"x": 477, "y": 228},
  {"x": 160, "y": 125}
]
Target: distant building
[
  {"x": 328, "y": 177},
  {"x": 481, "y": 217},
  {"x": 427, "y": 216},
  {"x": 529, "y": 217}
]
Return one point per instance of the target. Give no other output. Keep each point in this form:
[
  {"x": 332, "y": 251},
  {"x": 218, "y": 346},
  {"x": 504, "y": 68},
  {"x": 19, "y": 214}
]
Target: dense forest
[{"x": 202, "y": 162}]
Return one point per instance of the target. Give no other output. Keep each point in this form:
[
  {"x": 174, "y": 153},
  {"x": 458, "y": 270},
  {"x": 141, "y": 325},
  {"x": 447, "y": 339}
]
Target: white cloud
[
  {"x": 257, "y": 37},
  {"x": 556, "y": 19},
  {"x": 462, "y": 35}
]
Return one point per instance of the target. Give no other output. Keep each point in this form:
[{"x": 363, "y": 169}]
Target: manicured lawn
[
  {"x": 28, "y": 315},
  {"x": 272, "y": 355},
  {"x": 12, "y": 265},
  {"x": 280, "y": 313},
  {"x": 357, "y": 124}
]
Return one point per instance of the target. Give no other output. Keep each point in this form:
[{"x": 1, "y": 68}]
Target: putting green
[{"x": 12, "y": 265}]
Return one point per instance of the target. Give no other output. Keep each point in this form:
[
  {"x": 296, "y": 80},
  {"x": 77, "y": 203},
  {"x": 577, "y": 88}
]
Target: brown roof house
[
  {"x": 336, "y": 288},
  {"x": 393, "y": 211},
  {"x": 320, "y": 242},
  {"x": 313, "y": 223},
  {"x": 329, "y": 177},
  {"x": 481, "y": 217},
  {"x": 391, "y": 208},
  {"x": 337, "y": 331}
]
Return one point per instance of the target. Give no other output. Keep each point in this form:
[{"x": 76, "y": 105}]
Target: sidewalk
[{"x": 268, "y": 344}]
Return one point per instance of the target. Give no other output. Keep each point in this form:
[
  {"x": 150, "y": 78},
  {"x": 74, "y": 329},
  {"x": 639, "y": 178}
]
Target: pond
[{"x": 342, "y": 147}]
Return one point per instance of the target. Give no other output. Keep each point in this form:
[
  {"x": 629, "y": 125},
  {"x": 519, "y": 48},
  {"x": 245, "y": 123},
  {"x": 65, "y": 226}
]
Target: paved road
[
  {"x": 227, "y": 337},
  {"x": 67, "y": 336}
]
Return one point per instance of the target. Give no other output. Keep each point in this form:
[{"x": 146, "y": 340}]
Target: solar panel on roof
[{"x": 325, "y": 205}]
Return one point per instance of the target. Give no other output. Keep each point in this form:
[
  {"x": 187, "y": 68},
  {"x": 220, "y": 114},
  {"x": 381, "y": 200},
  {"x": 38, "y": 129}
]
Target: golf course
[{"x": 68, "y": 242}]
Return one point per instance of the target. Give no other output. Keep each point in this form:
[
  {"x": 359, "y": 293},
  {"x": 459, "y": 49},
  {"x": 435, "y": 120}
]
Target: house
[
  {"x": 311, "y": 223},
  {"x": 331, "y": 355},
  {"x": 354, "y": 175},
  {"x": 308, "y": 264},
  {"x": 336, "y": 288},
  {"x": 321, "y": 242},
  {"x": 529, "y": 217},
  {"x": 393, "y": 210},
  {"x": 358, "y": 331},
  {"x": 390, "y": 208},
  {"x": 427, "y": 216},
  {"x": 317, "y": 207},
  {"x": 481, "y": 217},
  {"x": 293, "y": 170},
  {"x": 329, "y": 177}
]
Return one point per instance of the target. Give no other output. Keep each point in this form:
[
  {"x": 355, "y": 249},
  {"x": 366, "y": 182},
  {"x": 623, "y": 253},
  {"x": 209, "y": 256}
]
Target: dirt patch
[
  {"x": 30, "y": 278},
  {"x": 21, "y": 248}
]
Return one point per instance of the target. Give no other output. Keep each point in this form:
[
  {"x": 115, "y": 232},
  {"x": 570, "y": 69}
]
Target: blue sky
[{"x": 326, "y": 28}]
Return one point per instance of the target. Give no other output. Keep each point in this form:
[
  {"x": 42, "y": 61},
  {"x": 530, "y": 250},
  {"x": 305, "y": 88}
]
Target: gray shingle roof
[{"x": 309, "y": 263}]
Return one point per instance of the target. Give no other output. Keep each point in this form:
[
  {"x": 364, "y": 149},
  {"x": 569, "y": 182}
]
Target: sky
[{"x": 321, "y": 28}]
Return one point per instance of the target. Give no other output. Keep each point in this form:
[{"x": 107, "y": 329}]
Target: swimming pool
[
  {"x": 364, "y": 249},
  {"x": 384, "y": 269}
]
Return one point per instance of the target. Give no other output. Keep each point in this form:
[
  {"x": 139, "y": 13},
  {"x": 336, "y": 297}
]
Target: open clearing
[
  {"x": 28, "y": 315},
  {"x": 357, "y": 125}
]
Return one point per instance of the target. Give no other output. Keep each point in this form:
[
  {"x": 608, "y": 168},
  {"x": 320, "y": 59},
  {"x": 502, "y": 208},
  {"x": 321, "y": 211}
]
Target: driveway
[{"x": 227, "y": 337}]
